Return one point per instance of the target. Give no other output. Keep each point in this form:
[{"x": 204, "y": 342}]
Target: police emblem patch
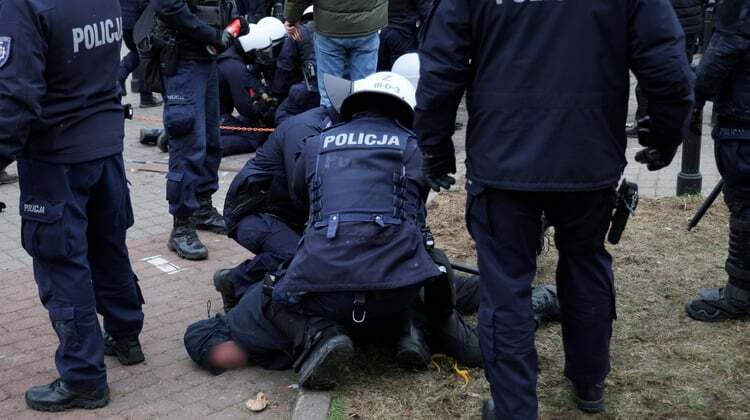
[{"x": 5, "y": 42}]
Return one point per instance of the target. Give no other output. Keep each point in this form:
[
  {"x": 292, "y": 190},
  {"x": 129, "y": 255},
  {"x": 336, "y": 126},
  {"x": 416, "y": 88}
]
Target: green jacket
[{"x": 342, "y": 18}]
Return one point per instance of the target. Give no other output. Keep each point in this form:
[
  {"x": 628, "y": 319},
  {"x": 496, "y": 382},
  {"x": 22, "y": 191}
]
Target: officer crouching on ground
[
  {"x": 55, "y": 57},
  {"x": 240, "y": 88},
  {"x": 547, "y": 92},
  {"x": 724, "y": 78},
  {"x": 195, "y": 32}
]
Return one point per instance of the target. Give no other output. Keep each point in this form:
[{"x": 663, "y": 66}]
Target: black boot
[
  {"x": 162, "y": 143},
  {"x": 590, "y": 398},
  {"x": 488, "y": 410},
  {"x": 6, "y": 178},
  {"x": 208, "y": 218},
  {"x": 716, "y": 305},
  {"x": 452, "y": 336},
  {"x": 225, "y": 287},
  {"x": 149, "y": 136},
  {"x": 185, "y": 242},
  {"x": 128, "y": 352},
  {"x": 545, "y": 304},
  {"x": 322, "y": 345},
  {"x": 58, "y": 396},
  {"x": 150, "y": 101},
  {"x": 412, "y": 351}
]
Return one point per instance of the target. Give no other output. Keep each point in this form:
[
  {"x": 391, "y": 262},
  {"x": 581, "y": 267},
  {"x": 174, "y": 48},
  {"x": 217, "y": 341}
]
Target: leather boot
[
  {"x": 58, "y": 396},
  {"x": 208, "y": 218},
  {"x": 412, "y": 351},
  {"x": 225, "y": 287},
  {"x": 185, "y": 242},
  {"x": 128, "y": 352}
]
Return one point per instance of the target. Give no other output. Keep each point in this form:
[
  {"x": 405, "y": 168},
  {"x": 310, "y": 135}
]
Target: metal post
[{"x": 690, "y": 180}]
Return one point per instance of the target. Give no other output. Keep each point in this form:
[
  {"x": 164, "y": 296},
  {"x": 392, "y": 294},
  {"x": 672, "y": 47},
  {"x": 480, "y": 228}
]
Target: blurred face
[{"x": 228, "y": 355}]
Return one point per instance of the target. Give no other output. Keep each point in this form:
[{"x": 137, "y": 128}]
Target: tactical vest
[
  {"x": 216, "y": 13},
  {"x": 359, "y": 177}
]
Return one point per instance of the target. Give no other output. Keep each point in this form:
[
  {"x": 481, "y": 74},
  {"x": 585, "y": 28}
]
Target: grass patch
[{"x": 663, "y": 364}]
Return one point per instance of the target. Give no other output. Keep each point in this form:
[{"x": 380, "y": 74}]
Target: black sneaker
[
  {"x": 58, "y": 396},
  {"x": 208, "y": 218},
  {"x": 6, "y": 178},
  {"x": 321, "y": 367},
  {"x": 185, "y": 242},
  {"x": 488, "y": 410},
  {"x": 716, "y": 305},
  {"x": 225, "y": 287},
  {"x": 127, "y": 352},
  {"x": 412, "y": 351},
  {"x": 149, "y": 136},
  {"x": 590, "y": 398}
]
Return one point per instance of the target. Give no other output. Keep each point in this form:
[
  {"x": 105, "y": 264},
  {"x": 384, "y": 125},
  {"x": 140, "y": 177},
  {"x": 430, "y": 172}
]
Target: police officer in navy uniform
[
  {"x": 131, "y": 11},
  {"x": 261, "y": 212},
  {"x": 61, "y": 117},
  {"x": 240, "y": 88},
  {"x": 400, "y": 35},
  {"x": 295, "y": 83},
  {"x": 191, "y": 115},
  {"x": 362, "y": 257},
  {"x": 547, "y": 88},
  {"x": 724, "y": 78}
]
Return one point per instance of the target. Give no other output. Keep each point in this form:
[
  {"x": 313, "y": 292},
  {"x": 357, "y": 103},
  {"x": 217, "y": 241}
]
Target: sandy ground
[{"x": 664, "y": 365}]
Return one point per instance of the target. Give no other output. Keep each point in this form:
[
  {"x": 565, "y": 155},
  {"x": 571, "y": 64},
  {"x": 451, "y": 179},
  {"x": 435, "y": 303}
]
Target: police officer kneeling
[
  {"x": 362, "y": 256},
  {"x": 724, "y": 77},
  {"x": 60, "y": 114}
]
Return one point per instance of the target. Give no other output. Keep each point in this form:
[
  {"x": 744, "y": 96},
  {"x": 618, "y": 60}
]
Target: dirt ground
[{"x": 663, "y": 364}]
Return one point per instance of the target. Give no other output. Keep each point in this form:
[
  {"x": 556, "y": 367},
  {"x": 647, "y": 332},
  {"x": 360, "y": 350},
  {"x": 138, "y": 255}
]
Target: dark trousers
[
  {"x": 506, "y": 225},
  {"x": 74, "y": 222},
  {"x": 691, "y": 45},
  {"x": 395, "y": 41},
  {"x": 191, "y": 118},
  {"x": 238, "y": 142},
  {"x": 271, "y": 240}
]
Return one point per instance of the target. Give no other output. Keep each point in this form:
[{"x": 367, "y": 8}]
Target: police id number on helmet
[{"x": 95, "y": 35}]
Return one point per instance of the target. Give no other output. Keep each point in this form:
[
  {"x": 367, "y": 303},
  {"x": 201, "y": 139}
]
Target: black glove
[
  {"x": 437, "y": 168},
  {"x": 656, "y": 158}
]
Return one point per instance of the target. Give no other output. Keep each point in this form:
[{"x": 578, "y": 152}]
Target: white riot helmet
[
  {"x": 255, "y": 40},
  {"x": 408, "y": 66},
  {"x": 388, "y": 90},
  {"x": 308, "y": 13},
  {"x": 275, "y": 28}
]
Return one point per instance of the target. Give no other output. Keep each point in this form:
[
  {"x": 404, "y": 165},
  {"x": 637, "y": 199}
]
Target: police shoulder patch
[{"x": 5, "y": 43}]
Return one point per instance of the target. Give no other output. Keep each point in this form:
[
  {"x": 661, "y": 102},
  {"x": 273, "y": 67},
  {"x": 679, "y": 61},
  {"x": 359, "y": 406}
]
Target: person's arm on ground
[
  {"x": 22, "y": 82},
  {"x": 445, "y": 72},
  {"x": 657, "y": 57}
]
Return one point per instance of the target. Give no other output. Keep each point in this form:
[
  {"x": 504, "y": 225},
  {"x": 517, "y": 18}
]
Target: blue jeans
[
  {"x": 355, "y": 56},
  {"x": 191, "y": 118}
]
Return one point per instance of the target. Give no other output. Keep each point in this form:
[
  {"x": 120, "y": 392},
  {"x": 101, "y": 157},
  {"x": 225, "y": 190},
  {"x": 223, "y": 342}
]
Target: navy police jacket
[
  {"x": 292, "y": 59},
  {"x": 364, "y": 184},
  {"x": 239, "y": 86},
  {"x": 547, "y": 86},
  {"x": 131, "y": 11},
  {"x": 273, "y": 165},
  {"x": 59, "y": 100},
  {"x": 724, "y": 72}
]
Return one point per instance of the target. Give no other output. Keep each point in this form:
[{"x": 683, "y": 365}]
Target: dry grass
[{"x": 664, "y": 365}]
